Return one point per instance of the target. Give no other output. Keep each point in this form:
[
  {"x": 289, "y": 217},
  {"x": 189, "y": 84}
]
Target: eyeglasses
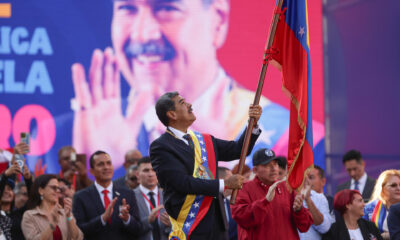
[
  {"x": 133, "y": 179},
  {"x": 55, "y": 188},
  {"x": 393, "y": 185}
]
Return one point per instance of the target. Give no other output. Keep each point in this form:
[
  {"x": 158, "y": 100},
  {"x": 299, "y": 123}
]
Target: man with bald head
[{"x": 131, "y": 159}]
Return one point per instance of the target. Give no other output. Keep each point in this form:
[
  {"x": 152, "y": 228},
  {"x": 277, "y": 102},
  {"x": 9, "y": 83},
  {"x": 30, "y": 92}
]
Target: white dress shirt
[
  {"x": 100, "y": 190},
  {"x": 361, "y": 183},
  {"x": 315, "y": 232},
  {"x": 109, "y": 188},
  {"x": 146, "y": 191}
]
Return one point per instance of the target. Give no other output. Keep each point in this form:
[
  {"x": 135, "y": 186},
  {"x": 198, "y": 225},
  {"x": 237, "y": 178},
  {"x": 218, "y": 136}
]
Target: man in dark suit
[
  {"x": 185, "y": 165},
  {"x": 150, "y": 203},
  {"x": 355, "y": 166},
  {"x": 394, "y": 222},
  {"x": 104, "y": 211}
]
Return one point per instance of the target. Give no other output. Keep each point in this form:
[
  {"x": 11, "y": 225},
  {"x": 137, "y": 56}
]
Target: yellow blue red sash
[{"x": 195, "y": 207}]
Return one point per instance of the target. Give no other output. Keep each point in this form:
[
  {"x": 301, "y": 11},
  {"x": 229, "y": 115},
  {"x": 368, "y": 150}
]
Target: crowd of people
[
  {"x": 180, "y": 192},
  {"x": 62, "y": 207}
]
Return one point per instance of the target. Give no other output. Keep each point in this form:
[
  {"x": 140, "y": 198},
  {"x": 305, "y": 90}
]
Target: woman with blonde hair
[{"x": 385, "y": 194}]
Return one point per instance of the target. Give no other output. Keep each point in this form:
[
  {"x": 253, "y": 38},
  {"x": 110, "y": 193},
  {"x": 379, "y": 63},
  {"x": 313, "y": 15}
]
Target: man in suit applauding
[
  {"x": 150, "y": 203},
  {"x": 104, "y": 211},
  {"x": 186, "y": 165},
  {"x": 355, "y": 167}
]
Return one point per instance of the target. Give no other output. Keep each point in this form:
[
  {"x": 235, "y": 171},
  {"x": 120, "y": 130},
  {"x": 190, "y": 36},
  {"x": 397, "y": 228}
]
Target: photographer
[
  {"x": 7, "y": 196},
  {"x": 73, "y": 168}
]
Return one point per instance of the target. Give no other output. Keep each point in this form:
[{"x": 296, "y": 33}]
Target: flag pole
[{"x": 257, "y": 96}]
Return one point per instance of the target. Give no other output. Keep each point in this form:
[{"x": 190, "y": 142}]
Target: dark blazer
[
  {"x": 368, "y": 189},
  {"x": 144, "y": 214},
  {"x": 173, "y": 161},
  {"x": 394, "y": 222},
  {"x": 88, "y": 208},
  {"x": 339, "y": 230},
  {"x": 120, "y": 182}
]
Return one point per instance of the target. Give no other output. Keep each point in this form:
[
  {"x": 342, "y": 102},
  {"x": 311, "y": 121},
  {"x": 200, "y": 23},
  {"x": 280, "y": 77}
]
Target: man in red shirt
[{"x": 274, "y": 214}]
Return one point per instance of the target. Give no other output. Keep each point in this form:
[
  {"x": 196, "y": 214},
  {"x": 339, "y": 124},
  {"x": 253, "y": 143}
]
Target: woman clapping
[{"x": 46, "y": 219}]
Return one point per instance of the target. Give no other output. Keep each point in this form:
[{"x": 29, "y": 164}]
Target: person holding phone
[
  {"x": 7, "y": 196},
  {"x": 73, "y": 168},
  {"x": 46, "y": 219}
]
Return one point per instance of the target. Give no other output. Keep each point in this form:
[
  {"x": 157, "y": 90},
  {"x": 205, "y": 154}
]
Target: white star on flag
[
  {"x": 198, "y": 135},
  {"x": 201, "y": 142},
  {"x": 187, "y": 225},
  {"x": 196, "y": 204},
  {"x": 203, "y": 149},
  {"x": 204, "y": 159},
  {"x": 191, "y": 214},
  {"x": 301, "y": 31}
]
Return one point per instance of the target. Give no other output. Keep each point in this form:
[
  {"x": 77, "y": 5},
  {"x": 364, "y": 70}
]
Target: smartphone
[
  {"x": 24, "y": 137},
  {"x": 19, "y": 158},
  {"x": 73, "y": 157}
]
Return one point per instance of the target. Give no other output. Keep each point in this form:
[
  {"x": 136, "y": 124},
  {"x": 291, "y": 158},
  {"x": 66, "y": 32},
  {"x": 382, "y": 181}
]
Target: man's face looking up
[{"x": 167, "y": 42}]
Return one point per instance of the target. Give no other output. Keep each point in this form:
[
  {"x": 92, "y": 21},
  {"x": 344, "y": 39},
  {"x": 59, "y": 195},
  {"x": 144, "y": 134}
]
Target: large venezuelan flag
[{"x": 291, "y": 49}]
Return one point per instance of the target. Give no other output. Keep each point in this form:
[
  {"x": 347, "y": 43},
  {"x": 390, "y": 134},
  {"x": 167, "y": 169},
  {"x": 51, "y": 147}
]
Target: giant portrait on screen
[{"x": 210, "y": 51}]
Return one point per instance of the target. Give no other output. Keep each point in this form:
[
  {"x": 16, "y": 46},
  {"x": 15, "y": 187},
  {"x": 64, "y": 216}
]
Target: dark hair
[
  {"x": 343, "y": 198},
  {"x": 352, "y": 155},
  {"x": 91, "y": 161},
  {"x": 40, "y": 182},
  {"x": 165, "y": 104},
  {"x": 282, "y": 162},
  {"x": 143, "y": 160},
  {"x": 18, "y": 187},
  {"x": 63, "y": 149},
  {"x": 65, "y": 181},
  {"x": 222, "y": 172},
  {"x": 321, "y": 171}
]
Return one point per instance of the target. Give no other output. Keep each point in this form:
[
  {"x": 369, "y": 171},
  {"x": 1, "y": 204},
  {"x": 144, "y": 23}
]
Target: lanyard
[{"x": 148, "y": 200}]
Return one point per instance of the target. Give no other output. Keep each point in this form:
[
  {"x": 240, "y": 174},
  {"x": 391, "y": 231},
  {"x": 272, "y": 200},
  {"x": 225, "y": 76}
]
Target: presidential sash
[{"x": 195, "y": 207}]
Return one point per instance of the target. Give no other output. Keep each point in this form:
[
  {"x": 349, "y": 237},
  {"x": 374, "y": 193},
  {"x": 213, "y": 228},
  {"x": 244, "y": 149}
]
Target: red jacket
[{"x": 259, "y": 219}]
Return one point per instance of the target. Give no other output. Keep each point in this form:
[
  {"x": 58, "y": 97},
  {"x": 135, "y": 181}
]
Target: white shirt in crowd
[
  {"x": 146, "y": 191},
  {"x": 355, "y": 234},
  {"x": 361, "y": 183},
  {"x": 315, "y": 232}
]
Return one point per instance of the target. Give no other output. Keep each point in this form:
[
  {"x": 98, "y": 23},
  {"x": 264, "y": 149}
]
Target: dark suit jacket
[
  {"x": 144, "y": 214},
  {"x": 394, "y": 222},
  {"x": 339, "y": 230},
  {"x": 173, "y": 161},
  {"x": 368, "y": 189},
  {"x": 88, "y": 208},
  {"x": 120, "y": 182}
]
